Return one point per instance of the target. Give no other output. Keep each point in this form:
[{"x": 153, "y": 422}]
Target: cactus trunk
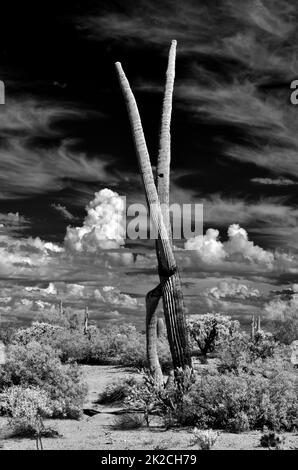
[{"x": 170, "y": 286}]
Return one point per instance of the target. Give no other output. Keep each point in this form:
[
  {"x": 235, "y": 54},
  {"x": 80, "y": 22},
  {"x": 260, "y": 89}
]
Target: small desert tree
[
  {"x": 211, "y": 330},
  {"x": 27, "y": 407},
  {"x": 284, "y": 315}
]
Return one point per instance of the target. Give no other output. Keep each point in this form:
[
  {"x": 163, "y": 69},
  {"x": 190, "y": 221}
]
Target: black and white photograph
[{"x": 149, "y": 228}]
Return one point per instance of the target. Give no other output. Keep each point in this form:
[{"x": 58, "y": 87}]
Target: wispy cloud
[
  {"x": 270, "y": 212},
  {"x": 235, "y": 50},
  {"x": 63, "y": 211},
  {"x": 274, "y": 182},
  {"x": 195, "y": 24},
  {"x": 146, "y": 22},
  {"x": 36, "y": 157}
]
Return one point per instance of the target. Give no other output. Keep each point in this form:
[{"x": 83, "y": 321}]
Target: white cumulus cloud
[
  {"x": 208, "y": 247},
  {"x": 102, "y": 227},
  {"x": 239, "y": 247},
  {"x": 237, "y": 290},
  {"x": 210, "y": 250}
]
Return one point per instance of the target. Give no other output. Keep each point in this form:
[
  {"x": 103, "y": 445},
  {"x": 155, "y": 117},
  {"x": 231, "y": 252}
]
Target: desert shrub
[
  {"x": 6, "y": 333},
  {"x": 114, "y": 344},
  {"x": 118, "y": 345},
  {"x": 128, "y": 421},
  {"x": 270, "y": 366},
  {"x": 105, "y": 346},
  {"x": 272, "y": 440},
  {"x": 222, "y": 402},
  {"x": 174, "y": 399},
  {"x": 39, "y": 366},
  {"x": 211, "y": 330},
  {"x": 234, "y": 355},
  {"x": 110, "y": 345},
  {"x": 246, "y": 401},
  {"x": 285, "y": 331},
  {"x": 262, "y": 346},
  {"x": 71, "y": 343},
  {"x": 240, "y": 351},
  {"x": 74, "y": 345},
  {"x": 124, "y": 344},
  {"x": 66, "y": 318},
  {"x": 265, "y": 396},
  {"x": 283, "y": 313},
  {"x": 39, "y": 332},
  {"x": 128, "y": 347},
  {"x": 27, "y": 407},
  {"x": 204, "y": 440},
  {"x": 143, "y": 396},
  {"x": 169, "y": 400},
  {"x": 117, "y": 390},
  {"x": 130, "y": 350}
]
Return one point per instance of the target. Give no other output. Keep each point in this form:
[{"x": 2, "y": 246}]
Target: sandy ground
[{"x": 97, "y": 433}]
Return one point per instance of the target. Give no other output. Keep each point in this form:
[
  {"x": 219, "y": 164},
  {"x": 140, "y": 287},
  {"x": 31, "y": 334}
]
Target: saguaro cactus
[
  {"x": 164, "y": 151},
  {"x": 252, "y": 327},
  {"x": 255, "y": 326},
  {"x": 170, "y": 285},
  {"x": 86, "y": 320},
  {"x": 160, "y": 327},
  {"x": 61, "y": 309},
  {"x": 152, "y": 300}
]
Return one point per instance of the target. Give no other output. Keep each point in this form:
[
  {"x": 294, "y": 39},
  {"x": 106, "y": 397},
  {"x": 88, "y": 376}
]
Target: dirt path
[
  {"x": 98, "y": 377},
  {"x": 97, "y": 432}
]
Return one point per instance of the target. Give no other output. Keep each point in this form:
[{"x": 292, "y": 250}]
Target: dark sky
[
  {"x": 65, "y": 135},
  {"x": 63, "y": 54}
]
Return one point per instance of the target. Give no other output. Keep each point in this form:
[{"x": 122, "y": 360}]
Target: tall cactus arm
[
  {"x": 164, "y": 151},
  {"x": 171, "y": 285},
  {"x": 152, "y": 301},
  {"x": 146, "y": 170}
]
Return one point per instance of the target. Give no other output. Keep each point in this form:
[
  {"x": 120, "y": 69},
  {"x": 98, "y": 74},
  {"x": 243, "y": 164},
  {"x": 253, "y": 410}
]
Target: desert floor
[{"x": 97, "y": 433}]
